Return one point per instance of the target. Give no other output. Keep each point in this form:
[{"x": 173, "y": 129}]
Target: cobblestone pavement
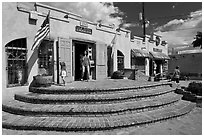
[
  {"x": 104, "y": 84},
  {"x": 190, "y": 124}
]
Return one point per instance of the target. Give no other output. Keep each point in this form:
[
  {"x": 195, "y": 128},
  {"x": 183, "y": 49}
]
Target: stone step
[
  {"x": 93, "y": 89},
  {"x": 69, "y": 123},
  {"x": 91, "y": 98},
  {"x": 17, "y": 107}
]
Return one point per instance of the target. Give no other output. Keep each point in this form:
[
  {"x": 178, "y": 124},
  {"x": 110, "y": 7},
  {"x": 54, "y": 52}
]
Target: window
[
  {"x": 45, "y": 58},
  {"x": 120, "y": 60},
  {"x": 16, "y": 51}
]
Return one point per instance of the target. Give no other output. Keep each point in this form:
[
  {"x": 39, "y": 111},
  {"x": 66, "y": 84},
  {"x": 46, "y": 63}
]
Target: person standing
[
  {"x": 81, "y": 67},
  {"x": 63, "y": 72},
  {"x": 85, "y": 65},
  {"x": 176, "y": 75}
]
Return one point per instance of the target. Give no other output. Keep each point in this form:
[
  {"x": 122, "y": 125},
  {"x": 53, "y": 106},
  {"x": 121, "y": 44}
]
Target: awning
[
  {"x": 159, "y": 55},
  {"x": 139, "y": 53}
]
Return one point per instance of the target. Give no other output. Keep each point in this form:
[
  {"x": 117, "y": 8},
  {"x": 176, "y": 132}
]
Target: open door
[
  {"x": 65, "y": 55},
  {"x": 101, "y": 60}
]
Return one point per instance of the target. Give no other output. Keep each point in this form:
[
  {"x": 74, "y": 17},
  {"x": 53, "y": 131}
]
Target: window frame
[{"x": 16, "y": 57}]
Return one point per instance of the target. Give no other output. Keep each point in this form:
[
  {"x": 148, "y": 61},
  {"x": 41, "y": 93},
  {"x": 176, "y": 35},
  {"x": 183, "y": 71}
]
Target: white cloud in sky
[
  {"x": 127, "y": 25},
  {"x": 93, "y": 11},
  {"x": 179, "y": 32},
  {"x": 176, "y": 32}
]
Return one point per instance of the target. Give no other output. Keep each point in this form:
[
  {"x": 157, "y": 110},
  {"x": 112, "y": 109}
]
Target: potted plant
[{"x": 43, "y": 79}]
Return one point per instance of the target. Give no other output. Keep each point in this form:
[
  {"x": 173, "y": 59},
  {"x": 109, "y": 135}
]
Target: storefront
[
  {"x": 70, "y": 35},
  {"x": 139, "y": 60},
  {"x": 149, "y": 57},
  {"x": 159, "y": 63}
]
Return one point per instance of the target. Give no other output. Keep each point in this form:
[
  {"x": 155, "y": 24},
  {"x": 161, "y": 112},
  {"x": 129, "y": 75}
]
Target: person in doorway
[
  {"x": 81, "y": 66},
  {"x": 155, "y": 68},
  {"x": 85, "y": 65},
  {"x": 63, "y": 72},
  {"x": 176, "y": 76}
]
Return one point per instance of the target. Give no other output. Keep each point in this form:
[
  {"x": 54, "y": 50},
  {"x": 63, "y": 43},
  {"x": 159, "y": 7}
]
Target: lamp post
[{"x": 143, "y": 21}]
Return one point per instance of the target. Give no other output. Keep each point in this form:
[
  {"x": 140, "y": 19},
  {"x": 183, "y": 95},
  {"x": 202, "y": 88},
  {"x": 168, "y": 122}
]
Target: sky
[{"x": 176, "y": 22}]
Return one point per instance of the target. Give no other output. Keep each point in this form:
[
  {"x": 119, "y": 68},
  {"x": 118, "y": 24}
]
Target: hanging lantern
[
  {"x": 157, "y": 40},
  {"x": 151, "y": 37}
]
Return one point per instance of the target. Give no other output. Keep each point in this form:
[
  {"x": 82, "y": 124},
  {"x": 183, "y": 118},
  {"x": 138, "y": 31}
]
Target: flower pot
[
  {"x": 189, "y": 97},
  {"x": 43, "y": 80}
]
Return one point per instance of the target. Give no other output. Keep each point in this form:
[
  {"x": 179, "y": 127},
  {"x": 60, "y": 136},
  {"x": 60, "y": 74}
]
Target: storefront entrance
[
  {"x": 78, "y": 50},
  {"x": 155, "y": 67}
]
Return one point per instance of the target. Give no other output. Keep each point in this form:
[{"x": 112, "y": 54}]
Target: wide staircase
[{"x": 58, "y": 108}]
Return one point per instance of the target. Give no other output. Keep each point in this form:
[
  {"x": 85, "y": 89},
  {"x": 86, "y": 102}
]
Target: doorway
[
  {"x": 79, "y": 49},
  {"x": 158, "y": 68}
]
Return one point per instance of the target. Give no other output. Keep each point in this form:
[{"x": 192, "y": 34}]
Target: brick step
[
  {"x": 17, "y": 107},
  {"x": 99, "y": 90},
  {"x": 69, "y": 123},
  {"x": 90, "y": 98}
]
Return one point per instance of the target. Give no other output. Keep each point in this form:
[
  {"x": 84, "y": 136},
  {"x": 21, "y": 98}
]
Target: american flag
[{"x": 42, "y": 32}]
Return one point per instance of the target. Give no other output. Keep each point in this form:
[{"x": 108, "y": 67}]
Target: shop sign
[
  {"x": 83, "y": 30},
  {"x": 157, "y": 50}
]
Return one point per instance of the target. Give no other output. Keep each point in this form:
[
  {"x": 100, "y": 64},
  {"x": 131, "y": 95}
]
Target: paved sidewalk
[{"x": 190, "y": 124}]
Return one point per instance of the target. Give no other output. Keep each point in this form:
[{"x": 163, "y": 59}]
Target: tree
[{"x": 198, "y": 40}]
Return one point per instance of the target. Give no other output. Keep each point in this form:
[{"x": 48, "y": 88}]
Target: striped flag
[{"x": 42, "y": 32}]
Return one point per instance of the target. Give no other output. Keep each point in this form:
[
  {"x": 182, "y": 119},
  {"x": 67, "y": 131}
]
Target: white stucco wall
[{"x": 16, "y": 24}]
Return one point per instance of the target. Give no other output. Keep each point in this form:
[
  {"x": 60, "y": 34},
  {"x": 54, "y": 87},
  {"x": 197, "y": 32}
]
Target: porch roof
[
  {"x": 159, "y": 55},
  {"x": 140, "y": 53}
]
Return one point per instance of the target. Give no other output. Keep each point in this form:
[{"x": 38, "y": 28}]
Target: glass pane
[
  {"x": 16, "y": 55},
  {"x": 45, "y": 58}
]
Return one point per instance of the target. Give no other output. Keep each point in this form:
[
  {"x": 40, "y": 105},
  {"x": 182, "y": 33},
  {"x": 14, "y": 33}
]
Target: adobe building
[
  {"x": 70, "y": 35},
  {"x": 150, "y": 56},
  {"x": 189, "y": 62}
]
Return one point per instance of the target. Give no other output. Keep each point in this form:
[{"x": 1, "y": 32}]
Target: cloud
[
  {"x": 179, "y": 32},
  {"x": 128, "y": 25},
  {"x": 106, "y": 13},
  {"x": 171, "y": 25}
]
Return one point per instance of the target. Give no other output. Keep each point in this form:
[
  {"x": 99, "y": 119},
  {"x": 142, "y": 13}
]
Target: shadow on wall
[
  {"x": 32, "y": 60},
  {"x": 109, "y": 61}
]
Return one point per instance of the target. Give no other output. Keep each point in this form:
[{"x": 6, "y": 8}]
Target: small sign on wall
[{"x": 83, "y": 30}]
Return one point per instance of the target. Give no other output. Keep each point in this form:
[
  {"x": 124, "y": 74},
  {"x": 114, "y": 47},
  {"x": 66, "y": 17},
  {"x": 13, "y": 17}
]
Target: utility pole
[{"x": 143, "y": 21}]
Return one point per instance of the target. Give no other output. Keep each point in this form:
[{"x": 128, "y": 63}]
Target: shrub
[
  {"x": 195, "y": 88},
  {"x": 117, "y": 75}
]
